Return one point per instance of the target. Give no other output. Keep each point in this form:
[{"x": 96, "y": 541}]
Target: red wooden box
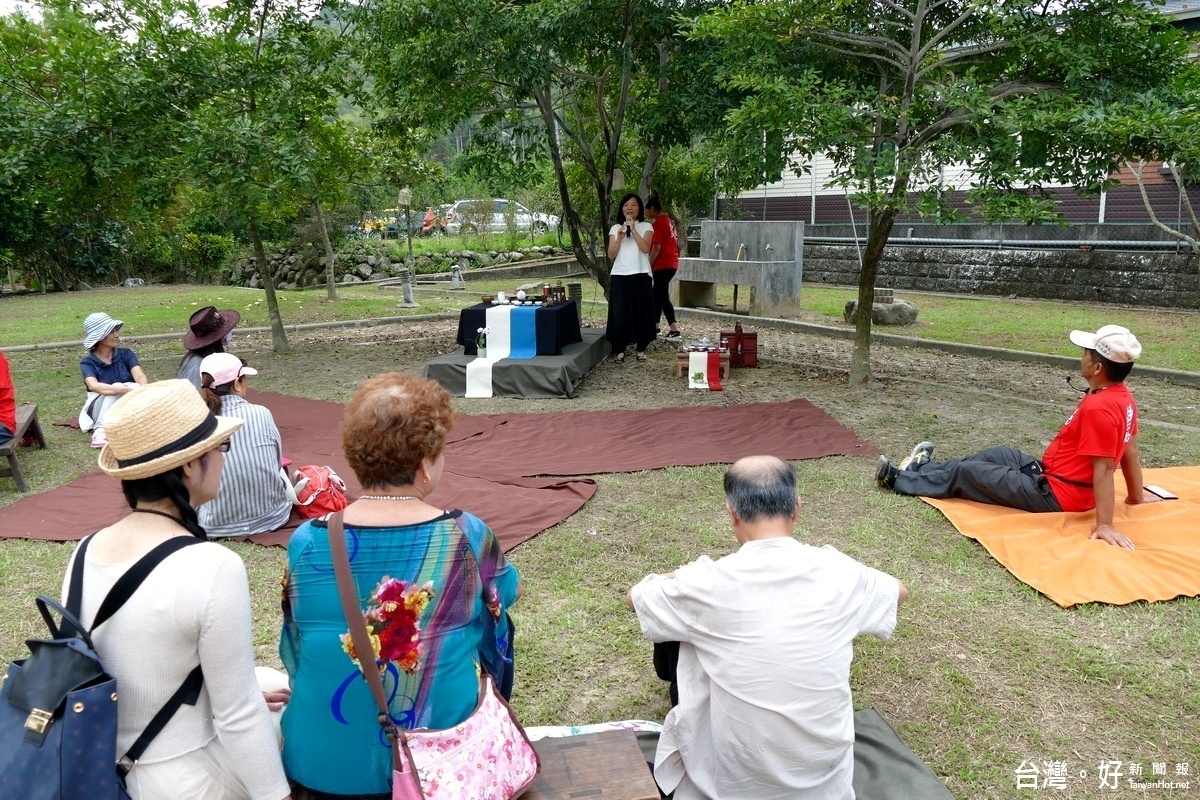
[{"x": 743, "y": 347}]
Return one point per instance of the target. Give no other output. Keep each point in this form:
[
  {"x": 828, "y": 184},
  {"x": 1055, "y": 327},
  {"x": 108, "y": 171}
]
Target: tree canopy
[
  {"x": 126, "y": 122},
  {"x": 894, "y": 90},
  {"x": 594, "y": 72}
]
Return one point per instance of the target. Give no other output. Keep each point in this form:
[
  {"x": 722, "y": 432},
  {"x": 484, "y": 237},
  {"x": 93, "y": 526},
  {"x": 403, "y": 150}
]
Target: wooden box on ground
[
  {"x": 681, "y": 363},
  {"x": 605, "y": 766},
  {"x": 27, "y": 425},
  {"x": 743, "y": 347}
]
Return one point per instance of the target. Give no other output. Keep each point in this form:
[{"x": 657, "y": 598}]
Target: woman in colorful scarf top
[{"x": 434, "y": 585}]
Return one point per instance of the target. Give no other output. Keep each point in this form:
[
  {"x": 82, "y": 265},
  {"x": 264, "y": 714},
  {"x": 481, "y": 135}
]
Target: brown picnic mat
[
  {"x": 493, "y": 461},
  {"x": 1053, "y": 554},
  {"x": 594, "y": 442}
]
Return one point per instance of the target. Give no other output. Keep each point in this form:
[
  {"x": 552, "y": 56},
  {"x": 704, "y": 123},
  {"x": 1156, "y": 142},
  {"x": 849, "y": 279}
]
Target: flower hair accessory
[
  {"x": 481, "y": 336},
  {"x": 392, "y": 618}
]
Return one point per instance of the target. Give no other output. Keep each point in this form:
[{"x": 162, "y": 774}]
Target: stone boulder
[
  {"x": 351, "y": 279},
  {"x": 897, "y": 312}
]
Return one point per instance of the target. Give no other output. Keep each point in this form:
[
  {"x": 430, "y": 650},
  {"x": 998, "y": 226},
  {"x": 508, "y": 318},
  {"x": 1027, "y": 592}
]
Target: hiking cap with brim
[
  {"x": 209, "y": 325},
  {"x": 1113, "y": 342}
]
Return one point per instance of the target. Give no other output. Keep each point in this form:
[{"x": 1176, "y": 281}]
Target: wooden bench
[
  {"x": 596, "y": 766},
  {"x": 27, "y": 425}
]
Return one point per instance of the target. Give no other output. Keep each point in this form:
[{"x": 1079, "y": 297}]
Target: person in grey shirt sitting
[
  {"x": 253, "y": 497},
  {"x": 209, "y": 330}
]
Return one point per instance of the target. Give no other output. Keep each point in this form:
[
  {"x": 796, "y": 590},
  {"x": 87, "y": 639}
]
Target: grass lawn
[
  {"x": 1037, "y": 326},
  {"x": 983, "y": 672}
]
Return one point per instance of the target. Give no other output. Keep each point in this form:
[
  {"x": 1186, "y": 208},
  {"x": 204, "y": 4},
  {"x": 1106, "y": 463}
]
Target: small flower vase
[{"x": 481, "y": 352}]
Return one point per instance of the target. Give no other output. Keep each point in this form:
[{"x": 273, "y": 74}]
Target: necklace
[
  {"x": 387, "y": 497},
  {"x": 171, "y": 517}
]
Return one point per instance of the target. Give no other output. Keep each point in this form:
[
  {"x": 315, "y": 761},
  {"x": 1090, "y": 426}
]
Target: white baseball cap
[
  {"x": 225, "y": 368},
  {"x": 1112, "y": 341}
]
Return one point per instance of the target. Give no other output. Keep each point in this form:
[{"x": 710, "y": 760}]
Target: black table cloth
[{"x": 556, "y": 326}]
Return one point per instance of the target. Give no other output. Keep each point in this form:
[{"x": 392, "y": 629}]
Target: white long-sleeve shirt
[
  {"x": 766, "y": 639},
  {"x": 194, "y": 608}
]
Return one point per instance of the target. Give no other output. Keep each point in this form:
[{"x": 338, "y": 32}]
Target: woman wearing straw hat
[
  {"x": 109, "y": 371},
  {"x": 253, "y": 498},
  {"x": 209, "y": 330},
  {"x": 167, "y": 449}
]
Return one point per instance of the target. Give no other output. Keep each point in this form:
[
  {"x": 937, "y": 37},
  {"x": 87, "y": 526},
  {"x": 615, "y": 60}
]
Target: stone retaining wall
[
  {"x": 301, "y": 267},
  {"x": 1158, "y": 279}
]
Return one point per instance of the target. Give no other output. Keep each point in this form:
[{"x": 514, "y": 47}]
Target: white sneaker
[
  {"x": 921, "y": 455},
  {"x": 99, "y": 437}
]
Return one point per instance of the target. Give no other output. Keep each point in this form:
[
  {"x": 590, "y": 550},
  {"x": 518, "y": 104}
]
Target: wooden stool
[
  {"x": 681, "y": 363},
  {"x": 605, "y": 766},
  {"x": 27, "y": 425}
]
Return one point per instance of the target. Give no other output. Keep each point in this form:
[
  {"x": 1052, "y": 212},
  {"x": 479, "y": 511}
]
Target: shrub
[{"x": 204, "y": 254}]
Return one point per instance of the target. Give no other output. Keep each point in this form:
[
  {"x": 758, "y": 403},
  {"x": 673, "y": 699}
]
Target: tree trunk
[
  {"x": 877, "y": 237},
  {"x": 652, "y": 156},
  {"x": 597, "y": 268},
  {"x": 655, "y": 151},
  {"x": 330, "y": 257},
  {"x": 1192, "y": 241},
  {"x": 278, "y": 334}
]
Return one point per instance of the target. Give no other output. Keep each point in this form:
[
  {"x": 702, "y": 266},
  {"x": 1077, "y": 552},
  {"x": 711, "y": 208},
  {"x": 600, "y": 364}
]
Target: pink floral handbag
[{"x": 487, "y": 756}]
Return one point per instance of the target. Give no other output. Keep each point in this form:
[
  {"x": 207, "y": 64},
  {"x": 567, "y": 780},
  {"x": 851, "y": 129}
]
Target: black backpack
[{"x": 58, "y": 707}]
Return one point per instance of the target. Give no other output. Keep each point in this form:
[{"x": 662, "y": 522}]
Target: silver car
[{"x": 492, "y": 216}]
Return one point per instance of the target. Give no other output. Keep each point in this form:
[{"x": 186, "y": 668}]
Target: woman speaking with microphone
[{"x": 631, "y": 287}]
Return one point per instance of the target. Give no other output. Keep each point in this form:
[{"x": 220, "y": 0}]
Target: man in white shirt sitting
[{"x": 765, "y": 639}]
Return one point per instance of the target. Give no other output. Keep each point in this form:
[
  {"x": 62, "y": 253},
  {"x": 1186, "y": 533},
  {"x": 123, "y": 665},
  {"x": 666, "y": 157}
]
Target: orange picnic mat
[{"x": 1053, "y": 554}]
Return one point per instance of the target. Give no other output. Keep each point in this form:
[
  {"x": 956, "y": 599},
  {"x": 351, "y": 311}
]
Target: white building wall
[{"x": 818, "y": 171}]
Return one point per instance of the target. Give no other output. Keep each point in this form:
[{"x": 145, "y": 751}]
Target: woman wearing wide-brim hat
[
  {"x": 109, "y": 371},
  {"x": 209, "y": 330},
  {"x": 167, "y": 449}
]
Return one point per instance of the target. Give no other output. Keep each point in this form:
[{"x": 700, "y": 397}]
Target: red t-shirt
[
  {"x": 664, "y": 237},
  {"x": 8, "y": 398},
  {"x": 1102, "y": 425}
]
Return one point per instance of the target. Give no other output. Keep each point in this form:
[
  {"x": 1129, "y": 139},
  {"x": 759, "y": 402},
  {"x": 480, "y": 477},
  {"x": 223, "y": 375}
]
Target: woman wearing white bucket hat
[
  {"x": 109, "y": 371},
  {"x": 193, "y": 608}
]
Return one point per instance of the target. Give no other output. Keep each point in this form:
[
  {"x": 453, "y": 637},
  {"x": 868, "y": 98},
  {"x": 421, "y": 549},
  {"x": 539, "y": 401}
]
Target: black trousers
[
  {"x": 994, "y": 476},
  {"x": 666, "y": 666},
  {"x": 662, "y": 295},
  {"x": 630, "y": 312}
]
